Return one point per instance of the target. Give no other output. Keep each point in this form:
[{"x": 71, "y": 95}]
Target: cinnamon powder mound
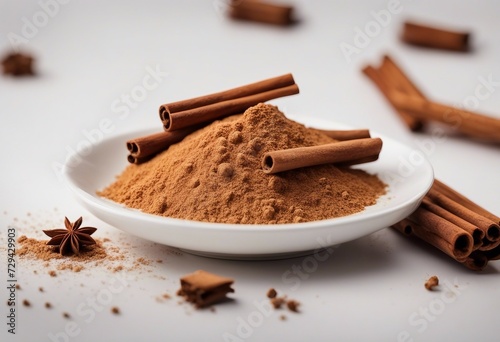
[{"x": 215, "y": 175}]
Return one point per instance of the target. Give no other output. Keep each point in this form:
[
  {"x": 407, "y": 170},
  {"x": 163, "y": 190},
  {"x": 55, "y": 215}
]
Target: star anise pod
[{"x": 72, "y": 238}]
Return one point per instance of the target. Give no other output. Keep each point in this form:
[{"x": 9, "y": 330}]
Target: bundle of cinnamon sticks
[
  {"x": 457, "y": 226},
  {"x": 415, "y": 108}
]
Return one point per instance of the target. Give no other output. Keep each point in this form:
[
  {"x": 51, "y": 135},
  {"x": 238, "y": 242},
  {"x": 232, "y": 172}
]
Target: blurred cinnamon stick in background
[
  {"x": 434, "y": 37},
  {"x": 261, "y": 11}
]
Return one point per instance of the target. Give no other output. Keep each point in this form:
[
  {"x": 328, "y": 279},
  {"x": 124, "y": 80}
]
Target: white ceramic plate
[{"x": 407, "y": 172}]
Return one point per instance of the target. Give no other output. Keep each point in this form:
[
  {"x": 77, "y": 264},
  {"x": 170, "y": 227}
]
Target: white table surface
[{"x": 91, "y": 53}]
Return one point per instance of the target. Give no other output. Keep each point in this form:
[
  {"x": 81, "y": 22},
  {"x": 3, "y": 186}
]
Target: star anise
[{"x": 72, "y": 238}]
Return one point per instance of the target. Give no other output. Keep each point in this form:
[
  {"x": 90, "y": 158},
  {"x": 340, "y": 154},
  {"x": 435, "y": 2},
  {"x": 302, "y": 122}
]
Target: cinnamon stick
[
  {"x": 477, "y": 261},
  {"x": 343, "y": 135},
  {"x": 399, "y": 79},
  {"x": 385, "y": 85},
  {"x": 492, "y": 254},
  {"x": 476, "y": 233},
  {"x": 463, "y": 200},
  {"x": 434, "y": 37},
  {"x": 260, "y": 11},
  {"x": 475, "y": 125},
  {"x": 444, "y": 235},
  {"x": 146, "y": 146},
  {"x": 181, "y": 114},
  {"x": 490, "y": 228},
  {"x": 338, "y": 152}
]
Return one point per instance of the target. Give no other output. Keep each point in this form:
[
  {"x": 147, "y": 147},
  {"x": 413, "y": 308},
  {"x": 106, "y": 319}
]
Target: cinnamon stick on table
[
  {"x": 475, "y": 125},
  {"x": 463, "y": 200},
  {"x": 386, "y": 81},
  {"x": 359, "y": 150},
  {"x": 182, "y": 114},
  {"x": 261, "y": 11},
  {"x": 490, "y": 228},
  {"x": 437, "y": 232},
  {"x": 434, "y": 37}
]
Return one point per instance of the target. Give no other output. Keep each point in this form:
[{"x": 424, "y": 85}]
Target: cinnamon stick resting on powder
[
  {"x": 182, "y": 114},
  {"x": 345, "y": 152},
  {"x": 433, "y": 37},
  {"x": 147, "y": 146}
]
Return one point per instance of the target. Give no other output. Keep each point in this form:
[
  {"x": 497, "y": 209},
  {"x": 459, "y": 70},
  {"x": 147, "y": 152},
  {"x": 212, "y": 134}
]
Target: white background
[{"x": 91, "y": 53}]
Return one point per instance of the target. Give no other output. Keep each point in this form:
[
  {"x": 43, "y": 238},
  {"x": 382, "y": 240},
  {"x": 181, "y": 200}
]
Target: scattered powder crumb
[
  {"x": 431, "y": 283},
  {"x": 115, "y": 310},
  {"x": 283, "y": 317},
  {"x": 52, "y": 273},
  {"x": 293, "y": 305},
  {"x": 166, "y": 296},
  {"x": 48, "y": 305},
  {"x": 40, "y": 289},
  {"x": 66, "y": 315},
  {"x": 278, "y": 302},
  {"x": 18, "y": 287},
  {"x": 26, "y": 302},
  {"x": 271, "y": 293}
]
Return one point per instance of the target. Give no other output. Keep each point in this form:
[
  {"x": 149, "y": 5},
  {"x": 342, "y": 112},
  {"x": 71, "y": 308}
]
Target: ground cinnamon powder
[{"x": 215, "y": 175}]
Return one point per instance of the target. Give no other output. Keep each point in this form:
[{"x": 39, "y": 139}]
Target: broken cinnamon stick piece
[
  {"x": 343, "y": 135},
  {"x": 261, "y": 11},
  {"x": 475, "y": 125},
  {"x": 146, "y": 146},
  {"x": 434, "y": 37},
  {"x": 338, "y": 152},
  {"x": 182, "y": 114},
  {"x": 384, "y": 84},
  {"x": 203, "y": 288}
]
